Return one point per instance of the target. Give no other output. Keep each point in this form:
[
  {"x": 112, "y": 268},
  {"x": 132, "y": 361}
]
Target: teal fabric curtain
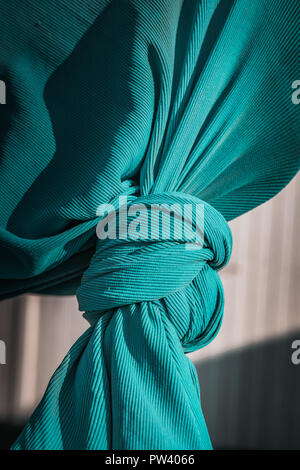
[{"x": 181, "y": 101}]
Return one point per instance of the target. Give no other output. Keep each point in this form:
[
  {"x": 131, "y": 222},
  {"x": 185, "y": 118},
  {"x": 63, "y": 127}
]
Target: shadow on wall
[
  {"x": 250, "y": 397},
  {"x": 8, "y": 434}
]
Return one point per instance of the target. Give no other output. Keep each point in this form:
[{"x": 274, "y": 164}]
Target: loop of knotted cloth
[{"x": 162, "y": 248}]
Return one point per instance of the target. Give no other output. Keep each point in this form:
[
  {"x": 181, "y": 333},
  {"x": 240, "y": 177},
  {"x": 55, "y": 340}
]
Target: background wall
[{"x": 249, "y": 386}]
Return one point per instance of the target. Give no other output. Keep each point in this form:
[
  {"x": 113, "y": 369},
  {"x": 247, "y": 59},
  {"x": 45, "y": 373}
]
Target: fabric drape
[{"x": 161, "y": 101}]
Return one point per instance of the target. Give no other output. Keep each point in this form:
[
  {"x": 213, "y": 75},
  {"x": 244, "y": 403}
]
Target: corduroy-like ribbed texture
[{"x": 163, "y": 101}]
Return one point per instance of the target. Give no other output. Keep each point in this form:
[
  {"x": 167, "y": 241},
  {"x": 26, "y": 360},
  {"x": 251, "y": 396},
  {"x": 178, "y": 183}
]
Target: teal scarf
[{"x": 162, "y": 101}]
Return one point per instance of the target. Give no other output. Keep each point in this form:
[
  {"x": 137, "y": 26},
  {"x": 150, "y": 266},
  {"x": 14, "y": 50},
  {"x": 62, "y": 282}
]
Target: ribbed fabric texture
[{"x": 162, "y": 101}]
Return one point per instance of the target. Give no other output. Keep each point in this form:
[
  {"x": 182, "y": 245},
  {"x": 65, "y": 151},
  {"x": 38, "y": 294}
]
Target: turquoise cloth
[{"x": 162, "y": 101}]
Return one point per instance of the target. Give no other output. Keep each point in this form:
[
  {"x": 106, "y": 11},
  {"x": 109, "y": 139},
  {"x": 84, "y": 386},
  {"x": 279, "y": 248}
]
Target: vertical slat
[{"x": 25, "y": 393}]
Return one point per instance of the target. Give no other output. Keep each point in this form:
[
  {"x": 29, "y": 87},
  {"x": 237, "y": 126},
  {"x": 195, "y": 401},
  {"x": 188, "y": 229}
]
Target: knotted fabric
[
  {"x": 162, "y": 102},
  {"x": 125, "y": 271},
  {"x": 148, "y": 301}
]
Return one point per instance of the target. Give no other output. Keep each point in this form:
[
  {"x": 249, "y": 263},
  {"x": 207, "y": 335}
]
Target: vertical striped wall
[{"x": 261, "y": 282}]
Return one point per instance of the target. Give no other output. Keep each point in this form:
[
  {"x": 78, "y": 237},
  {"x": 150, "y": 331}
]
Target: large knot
[{"x": 160, "y": 246}]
